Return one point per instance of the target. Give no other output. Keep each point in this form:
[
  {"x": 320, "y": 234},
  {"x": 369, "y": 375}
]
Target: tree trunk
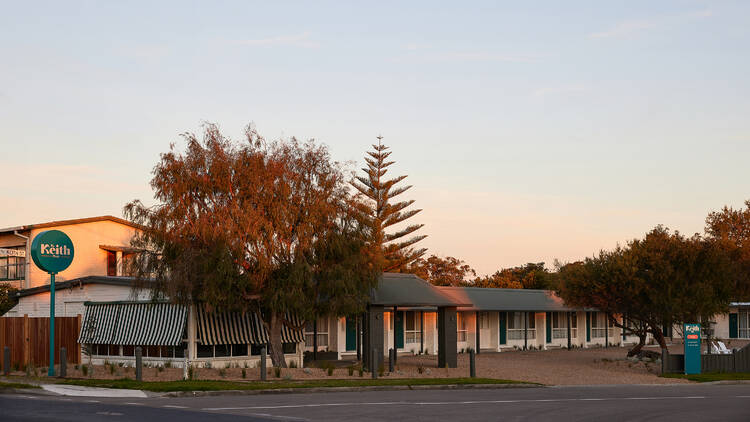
[
  {"x": 659, "y": 337},
  {"x": 637, "y": 348},
  {"x": 274, "y": 339}
]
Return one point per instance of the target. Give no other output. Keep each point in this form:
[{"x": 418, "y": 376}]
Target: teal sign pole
[
  {"x": 52, "y": 251},
  {"x": 692, "y": 343}
]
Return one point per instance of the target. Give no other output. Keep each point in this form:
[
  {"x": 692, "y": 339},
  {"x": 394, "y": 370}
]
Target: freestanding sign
[
  {"x": 52, "y": 251},
  {"x": 692, "y": 348}
]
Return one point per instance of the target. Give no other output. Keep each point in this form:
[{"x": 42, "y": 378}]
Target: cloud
[
  {"x": 633, "y": 27},
  {"x": 463, "y": 56},
  {"x": 302, "y": 40}
]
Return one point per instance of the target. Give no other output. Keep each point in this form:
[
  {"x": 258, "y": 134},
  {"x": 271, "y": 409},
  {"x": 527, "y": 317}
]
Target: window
[
  {"x": 598, "y": 324},
  {"x": 560, "y": 325},
  {"x": 12, "y": 268},
  {"x": 516, "y": 326},
  {"x": 413, "y": 329},
  {"x": 743, "y": 323},
  {"x": 111, "y": 263},
  {"x": 461, "y": 326},
  {"x": 289, "y": 348},
  {"x": 322, "y": 333}
]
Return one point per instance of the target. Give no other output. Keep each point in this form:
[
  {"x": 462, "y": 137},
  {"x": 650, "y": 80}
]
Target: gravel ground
[{"x": 550, "y": 367}]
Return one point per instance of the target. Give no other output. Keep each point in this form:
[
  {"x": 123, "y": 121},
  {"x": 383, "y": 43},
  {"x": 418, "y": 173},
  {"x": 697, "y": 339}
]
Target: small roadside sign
[{"x": 692, "y": 348}]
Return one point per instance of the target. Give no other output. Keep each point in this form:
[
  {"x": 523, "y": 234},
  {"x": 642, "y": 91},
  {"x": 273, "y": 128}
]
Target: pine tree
[{"x": 380, "y": 213}]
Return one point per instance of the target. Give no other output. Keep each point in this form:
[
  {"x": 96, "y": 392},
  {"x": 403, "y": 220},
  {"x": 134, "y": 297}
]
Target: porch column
[
  {"x": 568, "y": 329},
  {"x": 395, "y": 348},
  {"x": 421, "y": 331},
  {"x": 315, "y": 339},
  {"x": 525, "y": 331},
  {"x": 192, "y": 328},
  {"x": 476, "y": 337},
  {"x": 373, "y": 336},
  {"x": 447, "y": 353}
]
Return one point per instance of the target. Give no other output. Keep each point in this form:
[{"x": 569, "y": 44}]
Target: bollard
[
  {"x": 263, "y": 372},
  {"x": 138, "y": 363},
  {"x": 63, "y": 362},
  {"x": 6, "y": 360},
  {"x": 472, "y": 364},
  {"x": 390, "y": 359},
  {"x": 374, "y": 364}
]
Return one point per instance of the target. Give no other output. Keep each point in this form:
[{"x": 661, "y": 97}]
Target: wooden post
[
  {"x": 138, "y": 364},
  {"x": 472, "y": 364}
]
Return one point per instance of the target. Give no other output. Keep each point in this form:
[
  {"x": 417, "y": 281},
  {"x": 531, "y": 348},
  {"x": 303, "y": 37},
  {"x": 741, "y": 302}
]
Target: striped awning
[
  {"x": 241, "y": 328},
  {"x": 133, "y": 324}
]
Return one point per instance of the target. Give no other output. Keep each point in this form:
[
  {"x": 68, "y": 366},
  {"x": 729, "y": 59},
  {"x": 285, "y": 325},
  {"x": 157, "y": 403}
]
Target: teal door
[
  {"x": 733, "y": 328},
  {"x": 398, "y": 326},
  {"x": 503, "y": 328},
  {"x": 351, "y": 334}
]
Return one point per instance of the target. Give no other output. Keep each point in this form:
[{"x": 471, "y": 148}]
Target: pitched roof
[
  {"x": 396, "y": 289},
  {"x": 69, "y": 222},
  {"x": 491, "y": 299}
]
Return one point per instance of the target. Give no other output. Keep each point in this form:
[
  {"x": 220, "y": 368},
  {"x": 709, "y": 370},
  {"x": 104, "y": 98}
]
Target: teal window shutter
[
  {"x": 733, "y": 331},
  {"x": 588, "y": 326},
  {"x": 503, "y": 328},
  {"x": 548, "y": 320}
]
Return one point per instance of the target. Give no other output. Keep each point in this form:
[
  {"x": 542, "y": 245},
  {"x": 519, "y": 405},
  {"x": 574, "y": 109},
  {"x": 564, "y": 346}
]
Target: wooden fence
[
  {"x": 28, "y": 339},
  {"x": 737, "y": 361}
]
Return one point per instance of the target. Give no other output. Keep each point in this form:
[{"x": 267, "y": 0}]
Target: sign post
[
  {"x": 52, "y": 251},
  {"x": 692, "y": 334}
]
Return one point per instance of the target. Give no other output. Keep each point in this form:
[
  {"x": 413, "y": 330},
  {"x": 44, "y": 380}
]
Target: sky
[{"x": 530, "y": 131}]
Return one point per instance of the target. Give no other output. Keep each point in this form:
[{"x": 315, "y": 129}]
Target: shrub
[
  {"x": 361, "y": 370},
  {"x": 111, "y": 369},
  {"x": 191, "y": 372},
  {"x": 160, "y": 368},
  {"x": 222, "y": 372},
  {"x": 381, "y": 370},
  {"x": 244, "y": 373},
  {"x": 207, "y": 365},
  {"x": 330, "y": 371},
  {"x": 420, "y": 369},
  {"x": 246, "y": 365},
  {"x": 229, "y": 365},
  {"x": 287, "y": 377},
  {"x": 293, "y": 364},
  {"x": 84, "y": 370},
  {"x": 277, "y": 371},
  {"x": 77, "y": 367},
  {"x": 120, "y": 364},
  {"x": 350, "y": 369}
]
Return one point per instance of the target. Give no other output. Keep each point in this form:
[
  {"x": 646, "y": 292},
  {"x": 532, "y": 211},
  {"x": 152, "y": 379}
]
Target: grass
[
  {"x": 211, "y": 385},
  {"x": 712, "y": 376},
  {"x": 17, "y": 385}
]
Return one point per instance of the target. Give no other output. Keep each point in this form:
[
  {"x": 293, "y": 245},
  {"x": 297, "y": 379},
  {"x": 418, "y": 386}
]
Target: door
[
  {"x": 503, "y": 328},
  {"x": 733, "y": 326},
  {"x": 351, "y": 334},
  {"x": 484, "y": 330},
  {"x": 398, "y": 326}
]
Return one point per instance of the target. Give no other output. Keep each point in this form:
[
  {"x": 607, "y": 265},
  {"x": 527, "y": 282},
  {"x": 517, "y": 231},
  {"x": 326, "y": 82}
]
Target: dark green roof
[
  {"x": 489, "y": 299},
  {"x": 408, "y": 290}
]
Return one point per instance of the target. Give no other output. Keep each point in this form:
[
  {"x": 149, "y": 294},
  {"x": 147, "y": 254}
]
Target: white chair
[{"x": 723, "y": 348}]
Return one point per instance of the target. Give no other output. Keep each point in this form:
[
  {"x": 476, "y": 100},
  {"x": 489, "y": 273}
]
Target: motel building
[{"x": 405, "y": 313}]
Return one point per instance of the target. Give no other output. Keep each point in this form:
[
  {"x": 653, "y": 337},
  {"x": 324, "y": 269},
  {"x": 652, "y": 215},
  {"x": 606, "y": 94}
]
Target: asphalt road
[{"x": 601, "y": 403}]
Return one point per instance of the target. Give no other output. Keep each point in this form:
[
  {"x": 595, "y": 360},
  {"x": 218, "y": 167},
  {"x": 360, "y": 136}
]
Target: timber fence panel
[{"x": 28, "y": 339}]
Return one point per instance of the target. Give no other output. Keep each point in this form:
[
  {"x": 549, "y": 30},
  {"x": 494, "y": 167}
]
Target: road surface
[{"x": 596, "y": 403}]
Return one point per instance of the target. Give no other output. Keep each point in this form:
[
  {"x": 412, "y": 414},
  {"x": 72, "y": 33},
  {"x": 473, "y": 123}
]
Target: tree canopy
[
  {"x": 258, "y": 226},
  {"x": 379, "y": 213},
  {"x": 439, "y": 271},
  {"x": 660, "y": 280}
]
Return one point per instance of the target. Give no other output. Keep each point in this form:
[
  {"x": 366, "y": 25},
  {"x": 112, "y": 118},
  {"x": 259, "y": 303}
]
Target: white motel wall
[{"x": 494, "y": 323}]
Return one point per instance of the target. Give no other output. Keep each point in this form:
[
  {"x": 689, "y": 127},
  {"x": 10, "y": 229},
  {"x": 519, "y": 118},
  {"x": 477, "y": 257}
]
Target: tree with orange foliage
[
  {"x": 264, "y": 227},
  {"x": 447, "y": 271}
]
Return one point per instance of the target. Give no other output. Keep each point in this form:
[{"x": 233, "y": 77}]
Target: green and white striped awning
[
  {"x": 241, "y": 328},
  {"x": 133, "y": 323}
]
